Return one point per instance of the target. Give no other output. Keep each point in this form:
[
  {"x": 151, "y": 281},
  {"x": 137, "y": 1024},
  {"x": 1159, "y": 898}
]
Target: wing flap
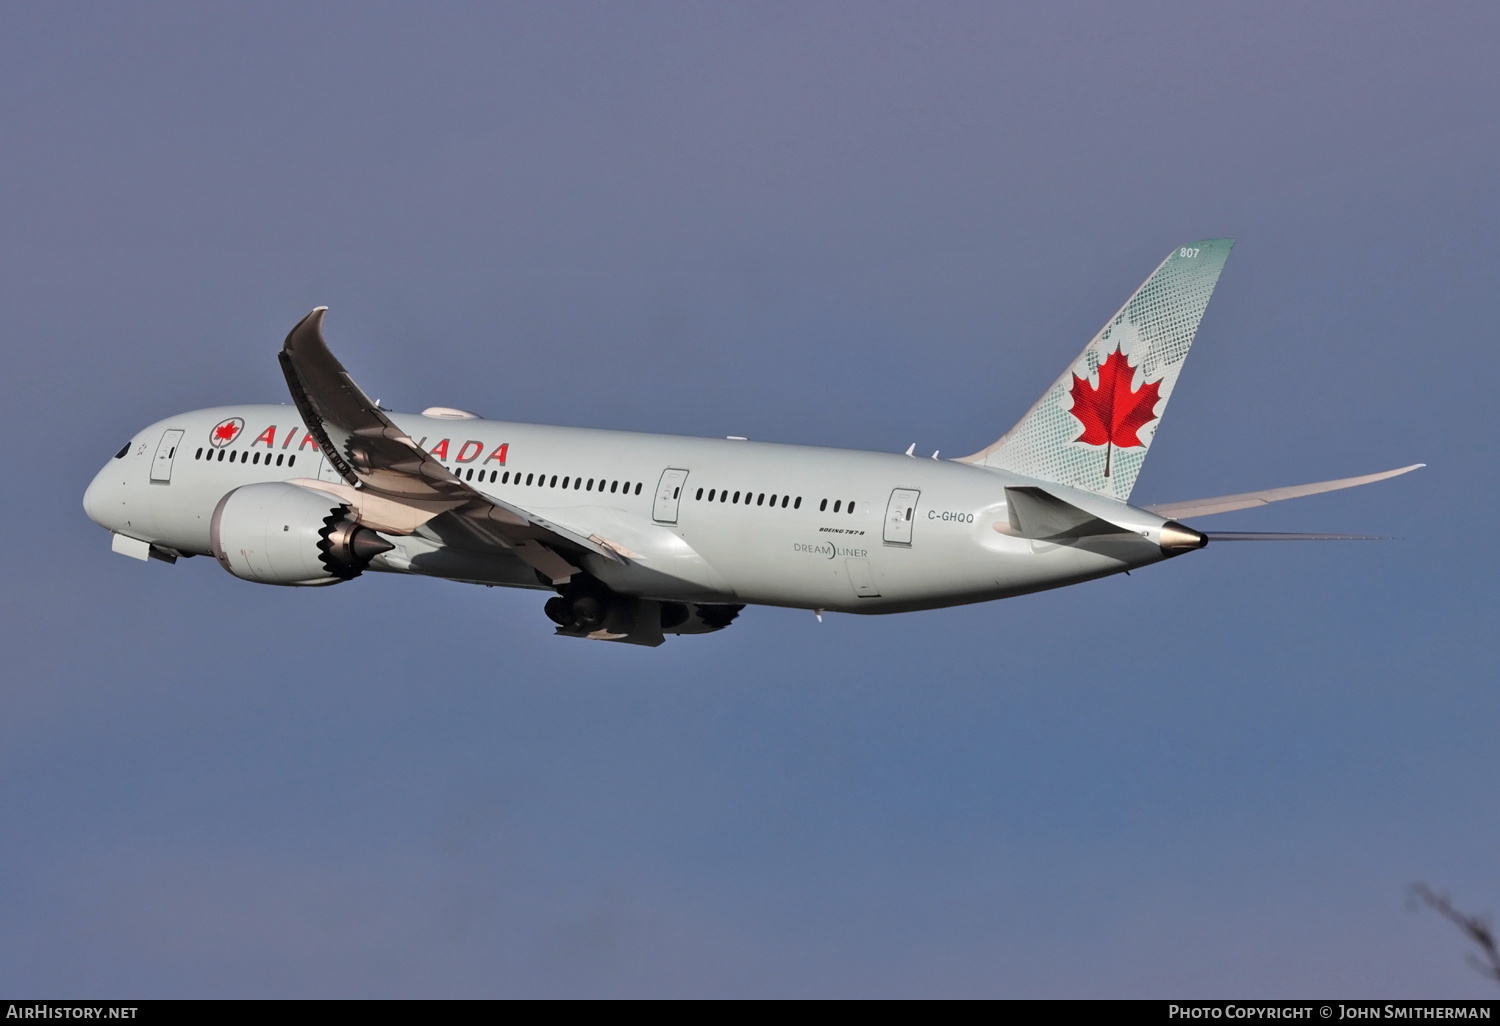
[{"x": 1245, "y": 500}]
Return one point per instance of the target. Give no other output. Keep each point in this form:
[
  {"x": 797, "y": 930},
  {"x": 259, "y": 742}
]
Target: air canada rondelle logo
[{"x": 225, "y": 431}]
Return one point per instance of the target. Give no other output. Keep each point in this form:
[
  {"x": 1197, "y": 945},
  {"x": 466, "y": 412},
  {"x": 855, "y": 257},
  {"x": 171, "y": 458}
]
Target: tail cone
[{"x": 1177, "y": 538}]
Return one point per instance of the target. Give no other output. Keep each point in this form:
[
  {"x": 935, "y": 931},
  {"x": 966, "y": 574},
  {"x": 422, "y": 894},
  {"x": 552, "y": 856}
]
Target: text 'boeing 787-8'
[{"x": 645, "y": 535}]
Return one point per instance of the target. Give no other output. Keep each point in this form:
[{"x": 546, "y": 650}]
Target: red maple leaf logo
[
  {"x": 226, "y": 431},
  {"x": 1111, "y": 414}
]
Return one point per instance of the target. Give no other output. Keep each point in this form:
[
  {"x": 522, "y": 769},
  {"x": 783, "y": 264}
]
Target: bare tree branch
[{"x": 1476, "y": 928}]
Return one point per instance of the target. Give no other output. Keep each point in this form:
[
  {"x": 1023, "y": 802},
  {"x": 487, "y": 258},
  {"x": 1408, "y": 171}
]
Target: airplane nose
[{"x": 96, "y": 498}]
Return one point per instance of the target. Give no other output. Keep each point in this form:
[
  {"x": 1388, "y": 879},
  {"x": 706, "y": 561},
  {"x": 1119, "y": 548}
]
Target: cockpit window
[{"x": 123, "y": 450}]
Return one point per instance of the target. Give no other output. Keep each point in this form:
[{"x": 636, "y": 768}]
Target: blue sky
[{"x": 859, "y": 225}]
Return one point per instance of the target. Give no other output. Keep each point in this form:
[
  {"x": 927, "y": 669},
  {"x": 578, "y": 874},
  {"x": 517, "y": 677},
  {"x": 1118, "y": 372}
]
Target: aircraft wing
[
  {"x": 1226, "y": 503},
  {"x": 395, "y": 487}
]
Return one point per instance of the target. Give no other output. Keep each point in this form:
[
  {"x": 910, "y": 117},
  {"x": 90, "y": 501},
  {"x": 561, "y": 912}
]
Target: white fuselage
[{"x": 805, "y": 527}]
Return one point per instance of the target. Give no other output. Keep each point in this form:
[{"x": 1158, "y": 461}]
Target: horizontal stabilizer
[
  {"x": 1035, "y": 513},
  {"x": 1226, "y": 503}
]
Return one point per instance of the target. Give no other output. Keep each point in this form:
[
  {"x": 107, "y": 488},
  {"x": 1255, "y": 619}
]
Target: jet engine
[{"x": 278, "y": 533}]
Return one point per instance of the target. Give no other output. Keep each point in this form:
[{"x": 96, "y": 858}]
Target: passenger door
[
  {"x": 166, "y": 452},
  {"x": 898, "y": 515},
  {"x": 669, "y": 495}
]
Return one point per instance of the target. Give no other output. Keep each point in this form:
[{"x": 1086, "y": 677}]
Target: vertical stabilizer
[{"x": 1092, "y": 428}]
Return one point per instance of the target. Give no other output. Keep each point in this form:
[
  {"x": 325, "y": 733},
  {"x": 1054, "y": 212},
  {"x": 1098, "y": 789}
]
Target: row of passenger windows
[
  {"x": 568, "y": 481},
  {"x": 542, "y": 481},
  {"x": 247, "y": 457},
  {"x": 465, "y": 474},
  {"x": 759, "y": 498},
  {"x": 717, "y": 495}
]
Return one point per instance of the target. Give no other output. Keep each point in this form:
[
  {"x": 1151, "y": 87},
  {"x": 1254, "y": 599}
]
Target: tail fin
[{"x": 1092, "y": 428}]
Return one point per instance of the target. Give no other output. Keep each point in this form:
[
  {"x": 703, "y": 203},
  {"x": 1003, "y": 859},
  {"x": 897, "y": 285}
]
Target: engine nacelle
[{"x": 278, "y": 533}]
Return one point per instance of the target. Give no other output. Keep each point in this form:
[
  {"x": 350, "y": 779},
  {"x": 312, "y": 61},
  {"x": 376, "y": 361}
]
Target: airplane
[{"x": 638, "y": 536}]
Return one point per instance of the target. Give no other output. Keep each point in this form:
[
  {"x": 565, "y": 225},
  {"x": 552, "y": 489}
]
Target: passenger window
[
  {"x": 528, "y": 479},
  {"x": 699, "y": 496},
  {"x": 836, "y": 504},
  {"x": 291, "y": 460},
  {"x": 278, "y": 460},
  {"x": 773, "y": 498},
  {"x": 851, "y": 507},
  {"x": 554, "y": 482},
  {"x": 784, "y": 500},
  {"x": 614, "y": 486},
  {"x": 637, "y": 488},
  {"x": 504, "y": 478},
  {"x": 197, "y": 455},
  {"x": 822, "y": 505},
  {"x": 798, "y": 503},
  {"x": 710, "y": 495},
  {"x": 590, "y": 486},
  {"x": 565, "y": 482},
  {"x": 736, "y": 496},
  {"x": 256, "y": 460},
  {"x": 760, "y": 500}
]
